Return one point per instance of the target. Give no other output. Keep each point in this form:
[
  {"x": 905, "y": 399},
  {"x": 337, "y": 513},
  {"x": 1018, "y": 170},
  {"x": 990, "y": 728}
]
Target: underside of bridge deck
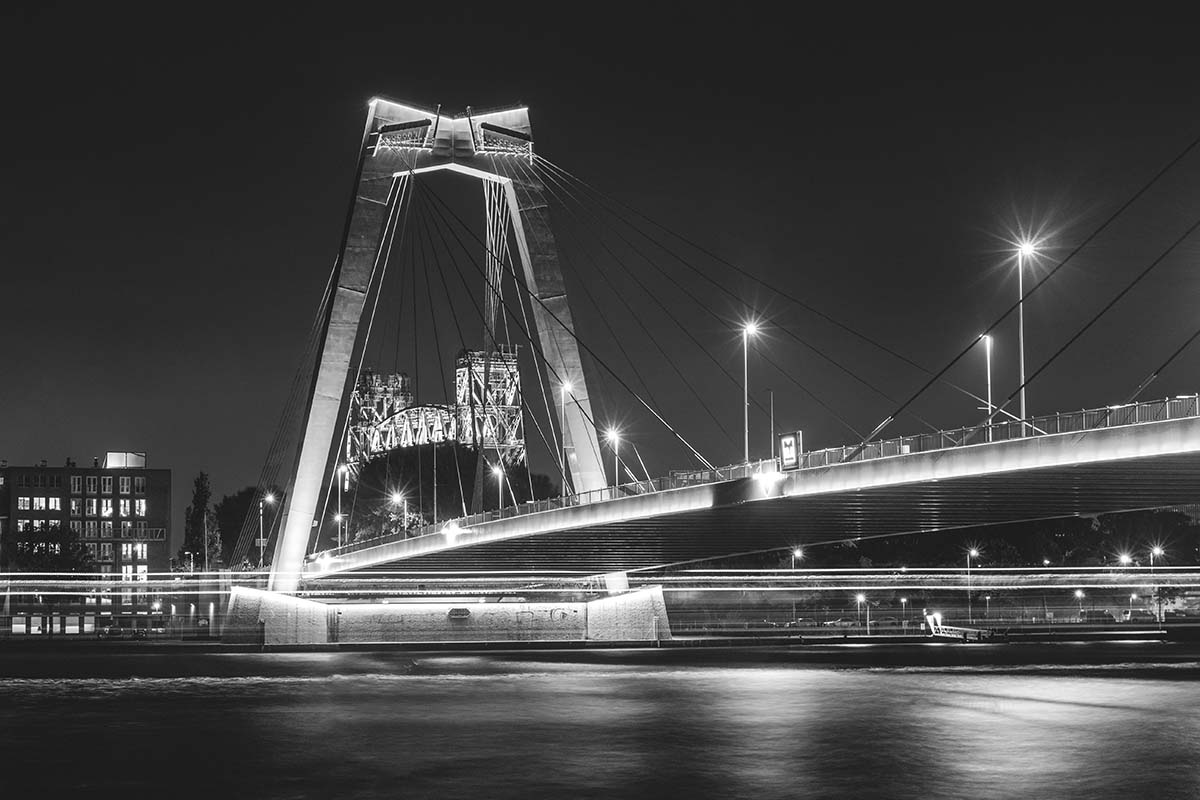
[{"x": 805, "y": 519}]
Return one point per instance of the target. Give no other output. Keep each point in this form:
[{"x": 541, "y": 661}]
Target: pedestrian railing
[{"x": 1070, "y": 422}]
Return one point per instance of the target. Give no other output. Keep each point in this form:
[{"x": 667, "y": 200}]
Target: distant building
[{"x": 120, "y": 509}]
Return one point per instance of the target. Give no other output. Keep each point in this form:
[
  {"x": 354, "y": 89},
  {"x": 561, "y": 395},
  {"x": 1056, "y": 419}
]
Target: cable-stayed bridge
[{"x": 530, "y": 384}]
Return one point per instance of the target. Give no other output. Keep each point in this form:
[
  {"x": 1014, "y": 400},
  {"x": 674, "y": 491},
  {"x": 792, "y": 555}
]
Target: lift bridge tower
[{"x": 400, "y": 144}]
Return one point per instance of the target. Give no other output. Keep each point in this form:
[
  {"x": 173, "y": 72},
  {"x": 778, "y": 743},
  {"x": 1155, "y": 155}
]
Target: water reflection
[{"x": 372, "y": 725}]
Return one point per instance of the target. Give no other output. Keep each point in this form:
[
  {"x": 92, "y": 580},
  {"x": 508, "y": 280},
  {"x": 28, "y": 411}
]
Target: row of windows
[
  {"x": 90, "y": 529},
  {"x": 124, "y": 484},
  {"x": 129, "y": 552},
  {"x": 102, "y": 483},
  {"x": 25, "y": 503},
  {"x": 39, "y": 480},
  {"x": 103, "y": 507}
]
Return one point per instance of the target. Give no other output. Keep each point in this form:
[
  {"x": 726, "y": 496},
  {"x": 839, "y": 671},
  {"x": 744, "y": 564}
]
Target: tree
[{"x": 201, "y": 532}]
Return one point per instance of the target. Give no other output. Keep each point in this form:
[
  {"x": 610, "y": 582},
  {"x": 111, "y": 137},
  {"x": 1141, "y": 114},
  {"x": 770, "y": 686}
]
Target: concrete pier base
[{"x": 270, "y": 618}]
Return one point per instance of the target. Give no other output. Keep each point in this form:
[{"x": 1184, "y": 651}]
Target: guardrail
[{"x": 1070, "y": 422}]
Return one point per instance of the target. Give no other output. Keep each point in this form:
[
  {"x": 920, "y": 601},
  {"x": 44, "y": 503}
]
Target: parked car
[
  {"x": 1137, "y": 615},
  {"x": 112, "y": 632},
  {"x": 886, "y": 622},
  {"x": 842, "y": 622},
  {"x": 1096, "y": 616}
]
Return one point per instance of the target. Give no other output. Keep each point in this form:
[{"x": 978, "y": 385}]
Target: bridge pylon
[{"x": 400, "y": 143}]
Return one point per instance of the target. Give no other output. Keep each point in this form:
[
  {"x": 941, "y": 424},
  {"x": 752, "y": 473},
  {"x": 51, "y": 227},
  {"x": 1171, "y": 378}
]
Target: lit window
[
  {"x": 143, "y": 572},
  {"x": 126, "y": 528},
  {"x": 106, "y": 551},
  {"x": 124, "y": 508},
  {"x": 139, "y": 485},
  {"x": 106, "y": 529},
  {"x": 127, "y": 572},
  {"x": 91, "y": 506},
  {"x": 54, "y": 503},
  {"x": 24, "y": 525},
  {"x": 126, "y": 551},
  {"x": 39, "y": 524},
  {"x": 90, "y": 529},
  {"x": 124, "y": 484},
  {"x": 76, "y": 527},
  {"x": 76, "y": 507},
  {"x": 139, "y": 506},
  {"x": 92, "y": 554},
  {"x": 76, "y": 484},
  {"x": 23, "y": 503},
  {"x": 139, "y": 551},
  {"x": 91, "y": 484},
  {"x": 106, "y": 507},
  {"x": 39, "y": 504}
]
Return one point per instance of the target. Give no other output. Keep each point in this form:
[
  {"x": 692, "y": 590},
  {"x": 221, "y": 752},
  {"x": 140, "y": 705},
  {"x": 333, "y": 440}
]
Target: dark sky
[{"x": 174, "y": 191}]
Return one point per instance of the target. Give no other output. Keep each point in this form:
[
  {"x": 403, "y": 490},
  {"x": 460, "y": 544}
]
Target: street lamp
[
  {"x": 987, "y": 609},
  {"x": 1155, "y": 551},
  {"x": 567, "y": 388},
  {"x": 1125, "y": 559},
  {"x": 341, "y": 470},
  {"x": 499, "y": 473},
  {"x": 748, "y": 330},
  {"x": 859, "y": 599},
  {"x": 1025, "y": 250},
  {"x": 904, "y": 610},
  {"x": 987, "y": 353},
  {"x": 1132, "y": 597},
  {"x": 1079, "y": 597},
  {"x": 797, "y": 554},
  {"x": 398, "y": 499},
  {"x": 972, "y": 553},
  {"x": 614, "y": 439},
  {"x": 262, "y": 541}
]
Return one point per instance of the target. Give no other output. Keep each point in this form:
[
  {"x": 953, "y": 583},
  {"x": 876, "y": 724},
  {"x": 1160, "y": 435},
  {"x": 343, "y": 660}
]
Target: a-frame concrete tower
[{"x": 400, "y": 143}]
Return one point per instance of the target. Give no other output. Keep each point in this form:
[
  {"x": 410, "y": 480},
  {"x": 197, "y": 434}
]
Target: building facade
[{"x": 120, "y": 511}]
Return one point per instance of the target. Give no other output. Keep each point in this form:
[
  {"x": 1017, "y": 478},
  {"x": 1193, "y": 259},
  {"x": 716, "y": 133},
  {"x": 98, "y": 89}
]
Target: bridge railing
[
  {"x": 1070, "y": 422},
  {"x": 1046, "y": 425},
  {"x": 676, "y": 480}
]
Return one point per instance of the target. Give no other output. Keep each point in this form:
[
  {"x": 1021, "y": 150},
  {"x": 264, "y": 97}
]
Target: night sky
[{"x": 175, "y": 190}]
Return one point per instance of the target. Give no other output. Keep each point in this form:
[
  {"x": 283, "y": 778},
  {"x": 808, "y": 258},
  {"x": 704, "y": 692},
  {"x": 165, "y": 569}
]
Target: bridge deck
[{"x": 1142, "y": 465}]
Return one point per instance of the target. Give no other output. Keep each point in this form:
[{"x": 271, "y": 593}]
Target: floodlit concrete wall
[
  {"x": 459, "y": 622},
  {"x": 285, "y": 619},
  {"x": 634, "y": 616}
]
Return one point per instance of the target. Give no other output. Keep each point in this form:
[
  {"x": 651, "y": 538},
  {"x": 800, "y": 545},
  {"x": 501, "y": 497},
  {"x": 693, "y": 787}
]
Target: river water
[{"x": 753, "y": 724}]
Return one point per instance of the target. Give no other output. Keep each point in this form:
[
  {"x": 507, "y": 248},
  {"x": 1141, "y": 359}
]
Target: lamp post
[
  {"x": 987, "y": 609},
  {"x": 859, "y": 599},
  {"x": 972, "y": 553},
  {"x": 904, "y": 611},
  {"x": 565, "y": 390},
  {"x": 398, "y": 499},
  {"x": 987, "y": 354},
  {"x": 262, "y": 541},
  {"x": 1154, "y": 551},
  {"x": 1132, "y": 597},
  {"x": 341, "y": 473},
  {"x": 797, "y": 554},
  {"x": 614, "y": 439},
  {"x": 1079, "y": 597},
  {"x": 1025, "y": 250},
  {"x": 748, "y": 330},
  {"x": 1125, "y": 559},
  {"x": 499, "y": 473}
]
